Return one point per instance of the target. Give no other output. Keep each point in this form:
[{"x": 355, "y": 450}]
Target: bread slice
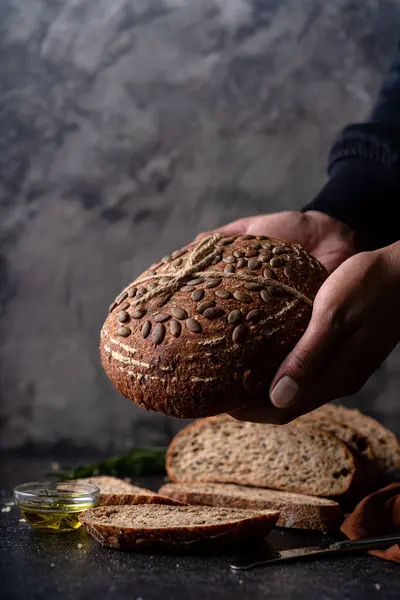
[
  {"x": 297, "y": 458},
  {"x": 358, "y": 442},
  {"x": 384, "y": 444},
  {"x": 158, "y": 527},
  {"x": 297, "y": 511},
  {"x": 353, "y": 438},
  {"x": 114, "y": 491}
]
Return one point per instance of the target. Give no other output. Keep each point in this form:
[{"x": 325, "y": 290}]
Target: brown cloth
[{"x": 377, "y": 514}]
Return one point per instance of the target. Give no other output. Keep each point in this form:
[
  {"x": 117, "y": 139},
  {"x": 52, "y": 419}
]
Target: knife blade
[{"x": 338, "y": 548}]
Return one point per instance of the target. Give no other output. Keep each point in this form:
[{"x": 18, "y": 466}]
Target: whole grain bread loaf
[
  {"x": 203, "y": 331},
  {"x": 384, "y": 444},
  {"x": 114, "y": 491},
  {"x": 297, "y": 511},
  {"x": 294, "y": 458},
  {"x": 182, "y": 528}
]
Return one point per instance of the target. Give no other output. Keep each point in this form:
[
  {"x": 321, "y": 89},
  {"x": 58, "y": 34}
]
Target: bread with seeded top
[{"x": 204, "y": 330}]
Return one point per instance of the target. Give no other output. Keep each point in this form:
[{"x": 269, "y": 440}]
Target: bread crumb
[
  {"x": 52, "y": 565},
  {"x": 55, "y": 466},
  {"x": 80, "y": 546},
  {"x": 22, "y": 520},
  {"x": 9, "y": 503},
  {"x": 6, "y": 509},
  {"x": 377, "y": 587}
]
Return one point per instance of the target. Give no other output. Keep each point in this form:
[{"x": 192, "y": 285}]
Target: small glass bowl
[{"x": 54, "y": 506}]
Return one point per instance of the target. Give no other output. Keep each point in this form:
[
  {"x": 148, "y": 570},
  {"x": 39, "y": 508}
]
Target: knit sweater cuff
[{"x": 365, "y": 195}]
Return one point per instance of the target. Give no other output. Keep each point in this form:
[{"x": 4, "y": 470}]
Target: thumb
[{"x": 297, "y": 376}]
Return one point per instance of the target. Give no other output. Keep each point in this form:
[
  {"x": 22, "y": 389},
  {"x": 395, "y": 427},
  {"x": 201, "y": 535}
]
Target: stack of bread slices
[{"x": 231, "y": 480}]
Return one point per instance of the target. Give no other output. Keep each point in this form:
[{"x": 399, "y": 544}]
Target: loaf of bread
[
  {"x": 383, "y": 442},
  {"x": 293, "y": 458},
  {"x": 203, "y": 331},
  {"x": 296, "y": 511},
  {"x": 181, "y": 528},
  {"x": 114, "y": 491}
]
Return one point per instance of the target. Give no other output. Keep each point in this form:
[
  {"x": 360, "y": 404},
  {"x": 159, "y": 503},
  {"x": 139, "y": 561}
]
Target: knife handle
[{"x": 371, "y": 543}]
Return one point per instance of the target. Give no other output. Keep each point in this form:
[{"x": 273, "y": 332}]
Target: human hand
[
  {"x": 354, "y": 326},
  {"x": 324, "y": 237}
]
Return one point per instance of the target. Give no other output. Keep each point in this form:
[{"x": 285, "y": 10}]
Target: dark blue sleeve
[{"x": 363, "y": 190}]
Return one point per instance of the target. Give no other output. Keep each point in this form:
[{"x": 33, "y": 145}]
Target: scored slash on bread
[
  {"x": 296, "y": 458},
  {"x": 114, "y": 491},
  {"x": 162, "y": 527},
  {"x": 297, "y": 511}
]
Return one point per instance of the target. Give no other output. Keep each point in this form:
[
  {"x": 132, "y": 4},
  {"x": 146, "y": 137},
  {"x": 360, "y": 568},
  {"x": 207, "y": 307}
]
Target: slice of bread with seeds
[
  {"x": 114, "y": 491},
  {"x": 383, "y": 442},
  {"x": 293, "y": 458},
  {"x": 182, "y": 528},
  {"x": 297, "y": 511}
]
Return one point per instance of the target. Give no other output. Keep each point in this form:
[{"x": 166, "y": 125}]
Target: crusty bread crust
[
  {"x": 187, "y": 361},
  {"x": 297, "y": 511},
  {"x": 208, "y": 536}
]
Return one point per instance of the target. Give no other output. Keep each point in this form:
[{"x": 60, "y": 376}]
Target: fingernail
[{"x": 284, "y": 393}]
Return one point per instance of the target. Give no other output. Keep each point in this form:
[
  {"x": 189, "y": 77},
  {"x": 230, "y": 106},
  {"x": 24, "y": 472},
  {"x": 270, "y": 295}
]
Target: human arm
[{"x": 357, "y": 209}]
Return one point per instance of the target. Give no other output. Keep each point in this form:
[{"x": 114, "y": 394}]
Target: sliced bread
[
  {"x": 114, "y": 491},
  {"x": 158, "y": 527},
  {"x": 298, "y": 458},
  {"x": 353, "y": 438},
  {"x": 297, "y": 511},
  {"x": 384, "y": 443}
]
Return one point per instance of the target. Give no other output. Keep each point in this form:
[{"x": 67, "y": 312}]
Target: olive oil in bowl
[{"x": 54, "y": 507}]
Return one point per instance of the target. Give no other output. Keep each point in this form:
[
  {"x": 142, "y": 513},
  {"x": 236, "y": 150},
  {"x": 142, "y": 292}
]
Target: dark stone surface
[
  {"x": 37, "y": 566},
  {"x": 125, "y": 128}
]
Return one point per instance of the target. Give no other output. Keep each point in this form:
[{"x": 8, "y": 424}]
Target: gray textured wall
[{"x": 125, "y": 127}]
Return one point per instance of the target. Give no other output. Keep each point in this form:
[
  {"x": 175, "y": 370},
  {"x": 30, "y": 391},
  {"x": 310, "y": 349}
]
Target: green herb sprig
[{"x": 139, "y": 461}]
